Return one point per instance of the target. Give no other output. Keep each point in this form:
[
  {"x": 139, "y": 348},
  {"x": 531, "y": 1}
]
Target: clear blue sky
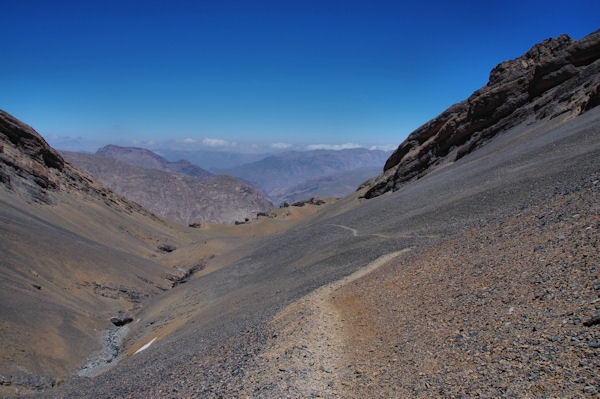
[{"x": 301, "y": 72}]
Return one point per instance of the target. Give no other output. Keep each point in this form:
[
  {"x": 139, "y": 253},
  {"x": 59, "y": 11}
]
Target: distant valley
[
  {"x": 329, "y": 172},
  {"x": 284, "y": 177}
]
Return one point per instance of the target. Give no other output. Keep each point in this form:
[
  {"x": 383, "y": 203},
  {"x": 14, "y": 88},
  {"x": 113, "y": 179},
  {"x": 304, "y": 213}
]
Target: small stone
[
  {"x": 595, "y": 319},
  {"x": 589, "y": 389},
  {"x": 594, "y": 343},
  {"x": 121, "y": 321},
  {"x": 166, "y": 248}
]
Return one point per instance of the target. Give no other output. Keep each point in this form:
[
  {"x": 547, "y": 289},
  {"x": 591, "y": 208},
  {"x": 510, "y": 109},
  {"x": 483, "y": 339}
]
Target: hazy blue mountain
[
  {"x": 334, "y": 185},
  {"x": 212, "y": 160},
  {"x": 277, "y": 173}
]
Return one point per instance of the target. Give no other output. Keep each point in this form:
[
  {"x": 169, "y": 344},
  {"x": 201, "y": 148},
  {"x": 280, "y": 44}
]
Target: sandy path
[
  {"x": 308, "y": 355},
  {"x": 355, "y": 233}
]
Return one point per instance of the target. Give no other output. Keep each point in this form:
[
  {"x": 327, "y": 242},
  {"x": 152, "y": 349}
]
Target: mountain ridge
[
  {"x": 558, "y": 77},
  {"x": 148, "y": 159},
  {"x": 276, "y": 173},
  {"x": 178, "y": 197}
]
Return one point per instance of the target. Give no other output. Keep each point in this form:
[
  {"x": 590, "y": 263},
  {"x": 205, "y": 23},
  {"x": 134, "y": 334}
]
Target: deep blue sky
[{"x": 258, "y": 72}]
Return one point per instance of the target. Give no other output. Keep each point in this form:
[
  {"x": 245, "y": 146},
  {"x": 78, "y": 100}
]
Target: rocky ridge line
[
  {"x": 30, "y": 167},
  {"x": 557, "y": 77}
]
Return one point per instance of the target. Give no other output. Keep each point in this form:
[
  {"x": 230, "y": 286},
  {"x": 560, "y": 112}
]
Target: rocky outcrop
[
  {"x": 27, "y": 162},
  {"x": 34, "y": 170},
  {"x": 148, "y": 159},
  {"x": 557, "y": 77}
]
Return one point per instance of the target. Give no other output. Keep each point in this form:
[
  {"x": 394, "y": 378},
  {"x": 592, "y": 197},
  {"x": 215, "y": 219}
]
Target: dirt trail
[
  {"x": 355, "y": 233},
  {"x": 308, "y": 355}
]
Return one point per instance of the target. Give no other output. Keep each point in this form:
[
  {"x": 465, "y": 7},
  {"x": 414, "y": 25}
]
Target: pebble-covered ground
[
  {"x": 483, "y": 283},
  {"x": 506, "y": 308}
]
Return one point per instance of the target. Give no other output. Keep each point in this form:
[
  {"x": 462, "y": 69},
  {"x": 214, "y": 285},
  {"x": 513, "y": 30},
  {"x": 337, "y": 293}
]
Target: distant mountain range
[
  {"x": 284, "y": 177},
  {"x": 275, "y": 175},
  {"x": 176, "y": 196},
  {"x": 212, "y": 160}
]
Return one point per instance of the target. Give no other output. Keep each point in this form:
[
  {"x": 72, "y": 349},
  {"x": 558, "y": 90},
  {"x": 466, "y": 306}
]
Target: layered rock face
[
  {"x": 34, "y": 170},
  {"x": 557, "y": 77}
]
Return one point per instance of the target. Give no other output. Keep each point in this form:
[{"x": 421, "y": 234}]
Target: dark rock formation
[
  {"x": 166, "y": 248},
  {"x": 148, "y": 159},
  {"x": 557, "y": 77},
  {"x": 592, "y": 321},
  {"x": 121, "y": 320}
]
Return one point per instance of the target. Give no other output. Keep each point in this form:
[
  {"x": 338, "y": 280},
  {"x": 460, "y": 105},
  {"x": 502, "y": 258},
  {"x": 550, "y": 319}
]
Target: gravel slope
[{"x": 223, "y": 319}]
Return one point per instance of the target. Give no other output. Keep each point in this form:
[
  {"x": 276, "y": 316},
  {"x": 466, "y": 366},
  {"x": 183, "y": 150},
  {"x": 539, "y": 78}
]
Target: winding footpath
[{"x": 309, "y": 353}]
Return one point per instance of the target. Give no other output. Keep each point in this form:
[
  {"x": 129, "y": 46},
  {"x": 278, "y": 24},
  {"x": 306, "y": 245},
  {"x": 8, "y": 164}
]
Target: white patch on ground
[{"x": 145, "y": 346}]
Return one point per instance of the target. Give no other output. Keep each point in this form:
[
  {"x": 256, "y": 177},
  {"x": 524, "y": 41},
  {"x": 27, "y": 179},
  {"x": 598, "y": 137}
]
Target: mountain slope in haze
[
  {"x": 556, "y": 78},
  {"x": 214, "y": 161},
  {"x": 279, "y": 172},
  {"x": 148, "y": 159},
  {"x": 74, "y": 254},
  {"x": 332, "y": 185},
  {"x": 184, "y": 199}
]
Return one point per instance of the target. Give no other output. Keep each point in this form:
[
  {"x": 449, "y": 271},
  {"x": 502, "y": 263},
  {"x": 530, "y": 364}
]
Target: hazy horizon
[{"x": 261, "y": 77}]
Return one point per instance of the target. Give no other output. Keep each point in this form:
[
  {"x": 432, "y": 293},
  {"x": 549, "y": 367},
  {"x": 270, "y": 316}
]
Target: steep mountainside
[
  {"x": 148, "y": 159},
  {"x": 557, "y": 77},
  {"x": 279, "y": 172},
  {"x": 184, "y": 199},
  {"x": 74, "y": 254}
]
